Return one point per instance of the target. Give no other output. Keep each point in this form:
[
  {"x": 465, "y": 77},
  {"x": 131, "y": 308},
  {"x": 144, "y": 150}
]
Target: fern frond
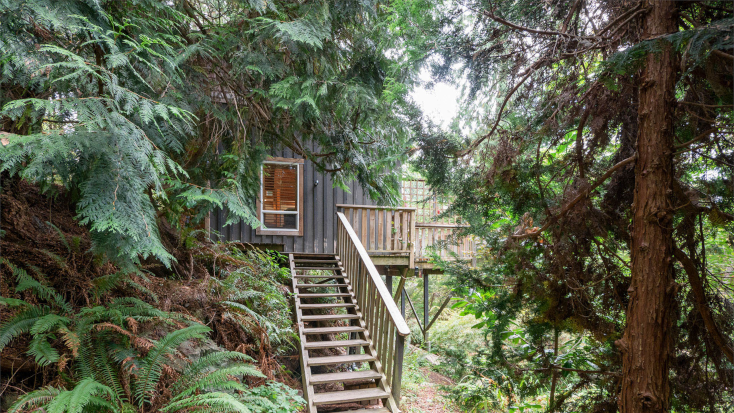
[
  {"x": 152, "y": 364},
  {"x": 60, "y": 234},
  {"x": 21, "y": 323},
  {"x": 49, "y": 322},
  {"x": 106, "y": 371},
  {"x": 26, "y": 282},
  {"x": 107, "y": 283},
  {"x": 86, "y": 392},
  {"x": 34, "y": 400},
  {"x": 13, "y": 302},
  {"x": 219, "y": 380},
  {"x": 41, "y": 349},
  {"x": 213, "y": 402}
]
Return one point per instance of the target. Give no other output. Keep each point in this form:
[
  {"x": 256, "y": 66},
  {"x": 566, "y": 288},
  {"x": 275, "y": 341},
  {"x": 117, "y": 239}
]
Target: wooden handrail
[
  {"x": 386, "y": 326},
  {"x": 348, "y": 206},
  {"x": 439, "y": 225}
]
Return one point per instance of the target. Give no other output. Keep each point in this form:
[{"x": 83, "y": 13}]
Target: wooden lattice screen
[
  {"x": 430, "y": 230},
  {"x": 416, "y": 194}
]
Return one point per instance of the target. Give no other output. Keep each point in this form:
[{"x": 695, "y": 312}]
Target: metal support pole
[
  {"x": 426, "y": 309},
  {"x": 388, "y": 282}
]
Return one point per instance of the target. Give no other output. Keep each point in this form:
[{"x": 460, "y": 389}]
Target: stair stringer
[{"x": 305, "y": 369}]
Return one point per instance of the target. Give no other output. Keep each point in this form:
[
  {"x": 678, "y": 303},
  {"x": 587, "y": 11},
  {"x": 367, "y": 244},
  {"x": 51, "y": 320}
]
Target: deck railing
[
  {"x": 429, "y": 234},
  {"x": 386, "y": 327},
  {"x": 383, "y": 230}
]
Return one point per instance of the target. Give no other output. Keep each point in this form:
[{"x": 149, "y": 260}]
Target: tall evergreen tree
[{"x": 594, "y": 156}]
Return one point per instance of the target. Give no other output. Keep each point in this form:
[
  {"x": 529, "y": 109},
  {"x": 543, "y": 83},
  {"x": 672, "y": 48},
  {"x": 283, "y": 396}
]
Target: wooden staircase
[{"x": 344, "y": 310}]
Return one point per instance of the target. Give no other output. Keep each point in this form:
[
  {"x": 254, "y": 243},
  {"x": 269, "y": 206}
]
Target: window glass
[{"x": 280, "y": 221}]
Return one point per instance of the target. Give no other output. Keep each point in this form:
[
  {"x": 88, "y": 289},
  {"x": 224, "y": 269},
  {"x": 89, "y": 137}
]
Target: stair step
[
  {"x": 335, "y": 305},
  {"x": 315, "y": 261},
  {"x": 318, "y": 268},
  {"x": 319, "y": 276},
  {"x": 346, "y": 359},
  {"x": 322, "y": 295},
  {"x": 345, "y": 376},
  {"x": 332, "y": 330},
  {"x": 325, "y": 317},
  {"x": 320, "y": 285},
  {"x": 349, "y": 396},
  {"x": 378, "y": 410},
  {"x": 335, "y": 343}
]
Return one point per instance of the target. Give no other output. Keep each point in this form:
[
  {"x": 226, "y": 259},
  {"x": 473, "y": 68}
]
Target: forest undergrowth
[{"x": 78, "y": 333}]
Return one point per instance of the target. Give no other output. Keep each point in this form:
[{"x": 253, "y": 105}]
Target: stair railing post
[{"x": 398, "y": 367}]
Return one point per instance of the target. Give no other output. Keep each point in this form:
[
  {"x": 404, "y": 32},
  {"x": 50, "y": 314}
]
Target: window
[{"x": 281, "y": 197}]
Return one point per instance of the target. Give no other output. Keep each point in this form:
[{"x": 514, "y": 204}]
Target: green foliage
[
  {"x": 148, "y": 108},
  {"x": 114, "y": 368},
  {"x": 252, "y": 296},
  {"x": 549, "y": 114}
]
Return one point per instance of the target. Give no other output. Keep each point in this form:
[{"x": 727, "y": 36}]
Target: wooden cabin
[
  {"x": 298, "y": 204},
  {"x": 343, "y": 251}
]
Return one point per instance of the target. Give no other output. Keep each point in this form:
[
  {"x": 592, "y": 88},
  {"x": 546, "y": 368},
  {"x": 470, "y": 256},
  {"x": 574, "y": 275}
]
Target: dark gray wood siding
[{"x": 319, "y": 214}]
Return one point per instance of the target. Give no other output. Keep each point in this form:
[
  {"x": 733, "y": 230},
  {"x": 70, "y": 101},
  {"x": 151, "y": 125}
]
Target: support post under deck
[{"x": 426, "y": 309}]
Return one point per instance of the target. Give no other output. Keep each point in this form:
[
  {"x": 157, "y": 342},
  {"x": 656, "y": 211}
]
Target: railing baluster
[
  {"x": 386, "y": 326},
  {"x": 404, "y": 230},
  {"x": 380, "y": 241},
  {"x": 364, "y": 227}
]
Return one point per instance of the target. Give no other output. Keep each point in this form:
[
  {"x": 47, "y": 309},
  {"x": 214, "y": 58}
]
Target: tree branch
[
  {"x": 723, "y": 54},
  {"x": 697, "y": 138},
  {"x": 576, "y": 200},
  {"x": 482, "y": 138},
  {"x": 568, "y": 18},
  {"x": 580, "y": 142},
  {"x": 528, "y": 29},
  {"x": 554, "y": 367},
  {"x": 700, "y": 302}
]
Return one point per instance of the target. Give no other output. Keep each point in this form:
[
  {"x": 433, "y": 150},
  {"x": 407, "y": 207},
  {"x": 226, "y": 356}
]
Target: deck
[{"x": 396, "y": 236}]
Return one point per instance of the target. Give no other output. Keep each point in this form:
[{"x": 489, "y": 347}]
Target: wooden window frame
[{"x": 299, "y": 179}]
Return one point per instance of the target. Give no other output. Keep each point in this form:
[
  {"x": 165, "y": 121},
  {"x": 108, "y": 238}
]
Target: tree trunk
[{"x": 647, "y": 342}]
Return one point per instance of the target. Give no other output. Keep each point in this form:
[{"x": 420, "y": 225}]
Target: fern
[
  {"x": 112, "y": 373},
  {"x": 26, "y": 282},
  {"x": 86, "y": 392},
  {"x": 151, "y": 366},
  {"x": 21, "y": 323},
  {"x": 42, "y": 350},
  {"x": 13, "y": 302},
  {"x": 35, "y": 400},
  {"x": 209, "y": 402},
  {"x": 219, "y": 379},
  {"x": 197, "y": 369}
]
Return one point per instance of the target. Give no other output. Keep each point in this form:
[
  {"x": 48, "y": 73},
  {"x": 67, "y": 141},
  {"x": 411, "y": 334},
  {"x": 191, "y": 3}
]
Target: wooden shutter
[{"x": 280, "y": 193}]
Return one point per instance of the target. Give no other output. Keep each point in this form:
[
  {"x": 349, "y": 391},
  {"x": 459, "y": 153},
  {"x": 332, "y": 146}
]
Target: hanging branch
[
  {"x": 537, "y": 65},
  {"x": 583, "y": 195},
  {"x": 700, "y": 302}
]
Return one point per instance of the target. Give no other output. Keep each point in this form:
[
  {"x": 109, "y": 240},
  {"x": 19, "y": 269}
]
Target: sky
[{"x": 439, "y": 103}]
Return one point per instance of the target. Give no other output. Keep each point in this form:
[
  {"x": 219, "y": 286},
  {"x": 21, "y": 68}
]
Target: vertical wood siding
[{"x": 319, "y": 214}]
